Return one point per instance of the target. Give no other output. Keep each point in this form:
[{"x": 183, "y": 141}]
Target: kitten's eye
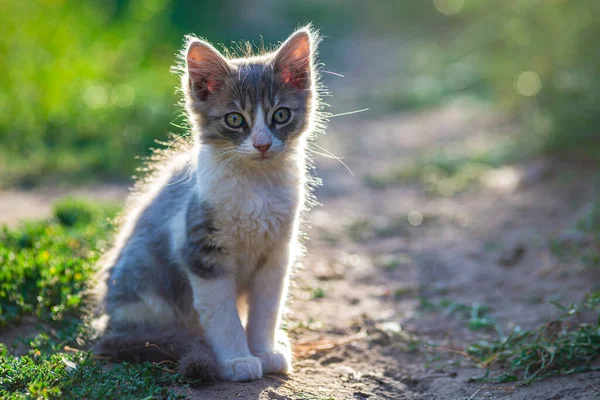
[
  {"x": 234, "y": 120},
  {"x": 282, "y": 115}
]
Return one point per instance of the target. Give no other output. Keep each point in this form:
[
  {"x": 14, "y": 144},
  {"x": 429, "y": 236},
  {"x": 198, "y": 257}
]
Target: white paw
[
  {"x": 275, "y": 363},
  {"x": 241, "y": 369}
]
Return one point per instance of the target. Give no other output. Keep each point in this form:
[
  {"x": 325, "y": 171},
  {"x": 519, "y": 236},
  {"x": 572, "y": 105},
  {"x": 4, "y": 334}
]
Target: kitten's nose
[{"x": 262, "y": 147}]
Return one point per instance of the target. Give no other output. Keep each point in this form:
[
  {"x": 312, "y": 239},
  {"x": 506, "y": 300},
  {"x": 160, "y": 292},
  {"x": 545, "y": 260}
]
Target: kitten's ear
[
  {"x": 206, "y": 68},
  {"x": 293, "y": 60}
]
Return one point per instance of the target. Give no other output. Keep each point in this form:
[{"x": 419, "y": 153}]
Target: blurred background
[{"x": 85, "y": 85}]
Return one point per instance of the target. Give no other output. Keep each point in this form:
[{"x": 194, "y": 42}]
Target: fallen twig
[
  {"x": 505, "y": 389},
  {"x": 72, "y": 349},
  {"x": 476, "y": 392},
  {"x": 148, "y": 344}
]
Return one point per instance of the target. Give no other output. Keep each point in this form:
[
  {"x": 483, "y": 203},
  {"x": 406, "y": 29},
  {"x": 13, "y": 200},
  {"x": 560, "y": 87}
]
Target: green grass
[
  {"x": 443, "y": 173},
  {"x": 476, "y": 314},
  {"x": 86, "y": 100},
  {"x": 317, "y": 293},
  {"x": 48, "y": 373},
  {"x": 499, "y": 39},
  {"x": 589, "y": 225},
  {"x": 391, "y": 262},
  {"x": 363, "y": 229},
  {"x": 563, "y": 346},
  {"x": 46, "y": 267},
  {"x": 360, "y": 230},
  {"x": 582, "y": 241},
  {"x": 567, "y": 344}
]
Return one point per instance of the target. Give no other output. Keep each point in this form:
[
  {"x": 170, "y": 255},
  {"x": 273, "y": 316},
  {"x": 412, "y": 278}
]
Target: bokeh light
[
  {"x": 95, "y": 97},
  {"x": 415, "y": 218},
  {"x": 449, "y": 7},
  {"x": 123, "y": 95},
  {"x": 528, "y": 83}
]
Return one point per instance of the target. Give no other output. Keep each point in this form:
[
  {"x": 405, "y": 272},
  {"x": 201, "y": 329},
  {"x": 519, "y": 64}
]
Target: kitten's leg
[
  {"x": 215, "y": 301},
  {"x": 267, "y": 293}
]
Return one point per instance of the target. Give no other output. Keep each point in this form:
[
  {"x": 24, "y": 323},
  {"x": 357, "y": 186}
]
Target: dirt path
[
  {"x": 355, "y": 315},
  {"x": 17, "y": 205}
]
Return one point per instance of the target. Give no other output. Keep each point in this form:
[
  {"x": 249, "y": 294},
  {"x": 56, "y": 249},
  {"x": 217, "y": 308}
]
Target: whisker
[
  {"x": 348, "y": 113},
  {"x": 226, "y": 157},
  {"x": 187, "y": 176},
  {"x": 328, "y": 155},
  {"x": 331, "y": 155},
  {"x": 334, "y": 73},
  {"x": 176, "y": 139}
]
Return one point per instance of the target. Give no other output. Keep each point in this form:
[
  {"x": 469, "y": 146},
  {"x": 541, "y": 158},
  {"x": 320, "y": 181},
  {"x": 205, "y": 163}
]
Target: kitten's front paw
[
  {"x": 241, "y": 369},
  {"x": 275, "y": 363}
]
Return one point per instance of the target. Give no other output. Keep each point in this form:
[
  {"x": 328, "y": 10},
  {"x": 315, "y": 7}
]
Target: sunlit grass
[
  {"x": 568, "y": 344},
  {"x": 563, "y": 346},
  {"x": 50, "y": 372},
  {"x": 446, "y": 174},
  {"x": 46, "y": 265},
  {"x": 46, "y": 268},
  {"x": 476, "y": 314},
  {"x": 581, "y": 241},
  {"x": 87, "y": 99}
]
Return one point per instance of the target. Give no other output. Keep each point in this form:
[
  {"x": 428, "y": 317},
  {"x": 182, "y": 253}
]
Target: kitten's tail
[{"x": 139, "y": 344}]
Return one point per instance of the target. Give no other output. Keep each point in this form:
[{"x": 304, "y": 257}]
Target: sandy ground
[{"x": 349, "y": 326}]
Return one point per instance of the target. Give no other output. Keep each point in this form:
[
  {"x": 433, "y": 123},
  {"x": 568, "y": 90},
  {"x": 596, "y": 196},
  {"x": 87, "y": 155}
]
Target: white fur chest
[{"x": 253, "y": 212}]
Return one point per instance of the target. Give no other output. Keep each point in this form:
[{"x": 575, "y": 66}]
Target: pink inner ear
[
  {"x": 296, "y": 75},
  {"x": 285, "y": 74},
  {"x": 297, "y": 78},
  {"x": 204, "y": 86},
  {"x": 293, "y": 61},
  {"x": 212, "y": 84},
  {"x": 205, "y": 68}
]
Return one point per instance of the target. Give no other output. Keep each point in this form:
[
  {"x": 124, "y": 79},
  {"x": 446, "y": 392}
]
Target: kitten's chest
[{"x": 254, "y": 216}]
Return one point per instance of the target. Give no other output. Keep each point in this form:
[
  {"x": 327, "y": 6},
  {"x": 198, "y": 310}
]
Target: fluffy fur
[{"x": 201, "y": 265}]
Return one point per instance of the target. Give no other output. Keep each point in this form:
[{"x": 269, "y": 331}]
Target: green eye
[
  {"x": 234, "y": 120},
  {"x": 282, "y": 115}
]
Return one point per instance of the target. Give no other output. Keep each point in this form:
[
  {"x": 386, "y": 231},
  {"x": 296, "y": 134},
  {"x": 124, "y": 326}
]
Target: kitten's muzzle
[{"x": 261, "y": 141}]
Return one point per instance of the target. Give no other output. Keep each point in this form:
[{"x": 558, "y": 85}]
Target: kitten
[{"x": 201, "y": 265}]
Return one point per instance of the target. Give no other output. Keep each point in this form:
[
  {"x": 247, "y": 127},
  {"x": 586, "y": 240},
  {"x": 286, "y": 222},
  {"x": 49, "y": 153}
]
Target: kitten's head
[{"x": 253, "y": 109}]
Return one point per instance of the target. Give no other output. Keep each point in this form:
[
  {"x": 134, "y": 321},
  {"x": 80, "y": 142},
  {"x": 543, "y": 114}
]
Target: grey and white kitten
[{"x": 200, "y": 269}]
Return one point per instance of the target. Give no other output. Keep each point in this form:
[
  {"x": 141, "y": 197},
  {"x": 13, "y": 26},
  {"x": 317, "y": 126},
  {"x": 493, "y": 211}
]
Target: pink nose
[{"x": 262, "y": 147}]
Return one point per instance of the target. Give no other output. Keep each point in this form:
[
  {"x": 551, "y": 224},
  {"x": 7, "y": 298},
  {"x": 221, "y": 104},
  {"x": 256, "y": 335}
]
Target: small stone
[
  {"x": 512, "y": 256},
  {"x": 332, "y": 360}
]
